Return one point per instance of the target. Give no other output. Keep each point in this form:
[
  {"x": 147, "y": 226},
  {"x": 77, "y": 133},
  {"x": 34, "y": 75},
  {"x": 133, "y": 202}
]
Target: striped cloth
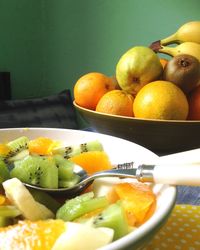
[{"x": 54, "y": 111}]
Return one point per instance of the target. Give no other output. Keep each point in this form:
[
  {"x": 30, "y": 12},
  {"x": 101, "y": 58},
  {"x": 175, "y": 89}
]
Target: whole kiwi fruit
[{"x": 184, "y": 71}]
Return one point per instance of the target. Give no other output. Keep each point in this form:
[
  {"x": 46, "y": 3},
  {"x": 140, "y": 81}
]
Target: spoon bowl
[{"x": 163, "y": 173}]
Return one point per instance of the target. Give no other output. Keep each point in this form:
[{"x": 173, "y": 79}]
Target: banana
[
  {"x": 189, "y": 32},
  {"x": 189, "y": 48},
  {"x": 19, "y": 195}
]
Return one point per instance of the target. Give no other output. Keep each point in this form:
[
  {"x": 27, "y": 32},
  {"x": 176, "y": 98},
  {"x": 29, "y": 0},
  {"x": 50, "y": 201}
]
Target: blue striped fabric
[{"x": 54, "y": 111}]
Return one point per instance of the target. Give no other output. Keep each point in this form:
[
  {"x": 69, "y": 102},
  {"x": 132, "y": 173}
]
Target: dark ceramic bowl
[{"x": 160, "y": 136}]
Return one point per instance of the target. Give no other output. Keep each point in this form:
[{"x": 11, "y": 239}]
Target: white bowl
[{"x": 120, "y": 151}]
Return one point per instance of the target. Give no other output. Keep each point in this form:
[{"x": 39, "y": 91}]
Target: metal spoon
[{"x": 164, "y": 173}]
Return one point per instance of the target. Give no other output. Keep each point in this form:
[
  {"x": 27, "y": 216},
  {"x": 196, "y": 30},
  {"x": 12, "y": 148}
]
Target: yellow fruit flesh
[
  {"x": 31, "y": 235},
  {"x": 92, "y": 161}
]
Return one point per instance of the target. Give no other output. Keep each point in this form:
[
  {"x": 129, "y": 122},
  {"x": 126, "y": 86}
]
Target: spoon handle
[{"x": 173, "y": 174}]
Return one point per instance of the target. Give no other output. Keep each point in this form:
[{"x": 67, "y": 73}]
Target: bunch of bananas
[{"x": 187, "y": 37}]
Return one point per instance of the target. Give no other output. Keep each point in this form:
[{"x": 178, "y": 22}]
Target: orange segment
[
  {"x": 137, "y": 200},
  {"x": 92, "y": 161},
  {"x": 42, "y": 146},
  {"x": 4, "y": 149},
  {"x": 2, "y": 199},
  {"x": 31, "y": 235}
]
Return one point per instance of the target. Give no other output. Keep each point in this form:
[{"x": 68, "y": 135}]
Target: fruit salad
[{"x": 32, "y": 219}]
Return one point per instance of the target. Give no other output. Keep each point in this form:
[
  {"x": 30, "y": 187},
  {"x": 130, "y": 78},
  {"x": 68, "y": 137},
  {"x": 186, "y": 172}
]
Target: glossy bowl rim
[{"x": 86, "y": 110}]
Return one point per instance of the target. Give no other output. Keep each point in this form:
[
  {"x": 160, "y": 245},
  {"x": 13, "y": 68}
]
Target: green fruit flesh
[
  {"x": 65, "y": 167},
  {"x": 113, "y": 217},
  {"x": 36, "y": 170},
  {"x": 9, "y": 211},
  {"x": 19, "y": 156},
  {"x": 5, "y": 221},
  {"x": 4, "y": 172},
  {"x": 71, "y": 151},
  {"x": 45, "y": 199},
  {"x": 77, "y": 207},
  {"x": 17, "y": 147},
  {"x": 70, "y": 182}
]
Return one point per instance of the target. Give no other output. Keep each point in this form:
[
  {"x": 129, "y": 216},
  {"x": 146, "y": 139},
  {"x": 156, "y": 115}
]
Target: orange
[
  {"x": 116, "y": 102},
  {"x": 194, "y": 104},
  {"x": 38, "y": 235},
  {"x": 92, "y": 161},
  {"x": 137, "y": 200},
  {"x": 41, "y": 146},
  {"x": 91, "y": 87},
  {"x": 161, "y": 100}
]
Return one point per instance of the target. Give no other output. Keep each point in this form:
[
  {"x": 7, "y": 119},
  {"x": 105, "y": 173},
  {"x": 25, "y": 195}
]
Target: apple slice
[{"x": 81, "y": 236}]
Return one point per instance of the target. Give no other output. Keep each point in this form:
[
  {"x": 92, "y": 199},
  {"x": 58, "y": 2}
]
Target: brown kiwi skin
[{"x": 184, "y": 71}]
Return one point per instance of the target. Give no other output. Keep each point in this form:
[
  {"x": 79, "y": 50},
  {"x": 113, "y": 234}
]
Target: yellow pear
[{"x": 137, "y": 67}]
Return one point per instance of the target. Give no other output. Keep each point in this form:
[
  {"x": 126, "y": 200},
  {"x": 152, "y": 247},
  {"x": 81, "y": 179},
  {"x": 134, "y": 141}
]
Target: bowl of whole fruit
[
  {"x": 112, "y": 213},
  {"x": 152, "y": 100}
]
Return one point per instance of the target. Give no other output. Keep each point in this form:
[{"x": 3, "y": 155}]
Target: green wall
[{"x": 48, "y": 44}]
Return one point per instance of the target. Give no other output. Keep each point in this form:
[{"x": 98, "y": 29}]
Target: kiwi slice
[
  {"x": 70, "y": 182},
  {"x": 5, "y": 221},
  {"x": 66, "y": 175},
  {"x": 36, "y": 170},
  {"x": 9, "y": 211},
  {"x": 113, "y": 217},
  {"x": 80, "y": 205},
  {"x": 4, "y": 172},
  {"x": 45, "y": 199},
  {"x": 18, "y": 149},
  {"x": 73, "y": 150},
  {"x": 65, "y": 167}
]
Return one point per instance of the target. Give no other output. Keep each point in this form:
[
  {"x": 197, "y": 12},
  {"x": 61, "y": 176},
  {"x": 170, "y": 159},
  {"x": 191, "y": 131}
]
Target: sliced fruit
[
  {"x": 4, "y": 172},
  {"x": 42, "y": 146},
  {"x": 45, "y": 199},
  {"x": 65, "y": 167},
  {"x": 137, "y": 199},
  {"x": 79, "y": 236},
  {"x": 92, "y": 161},
  {"x": 9, "y": 211},
  {"x": 40, "y": 171},
  {"x": 70, "y": 182},
  {"x": 4, "y": 150},
  {"x": 70, "y": 151},
  {"x": 5, "y": 221},
  {"x": 79, "y": 206},
  {"x": 113, "y": 217},
  {"x": 26, "y": 234},
  {"x": 2, "y": 199},
  {"x": 19, "y": 195},
  {"x": 18, "y": 149}
]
